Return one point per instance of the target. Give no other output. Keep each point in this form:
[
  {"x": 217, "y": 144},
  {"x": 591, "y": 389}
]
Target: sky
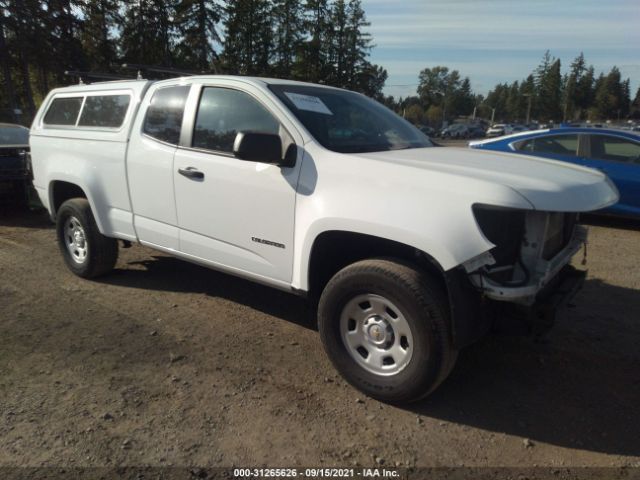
[{"x": 494, "y": 41}]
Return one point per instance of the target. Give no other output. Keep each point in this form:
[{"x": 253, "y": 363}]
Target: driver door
[{"x": 234, "y": 214}]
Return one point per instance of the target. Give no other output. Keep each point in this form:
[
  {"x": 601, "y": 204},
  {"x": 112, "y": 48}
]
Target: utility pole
[
  {"x": 444, "y": 105},
  {"x": 528, "y": 95}
]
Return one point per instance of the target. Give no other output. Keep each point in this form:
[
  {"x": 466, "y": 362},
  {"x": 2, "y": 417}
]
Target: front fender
[{"x": 437, "y": 247}]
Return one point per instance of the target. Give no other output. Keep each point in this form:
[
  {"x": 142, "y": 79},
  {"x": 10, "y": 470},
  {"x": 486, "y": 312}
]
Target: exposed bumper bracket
[{"x": 538, "y": 318}]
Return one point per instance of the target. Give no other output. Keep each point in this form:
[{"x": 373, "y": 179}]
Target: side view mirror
[{"x": 258, "y": 147}]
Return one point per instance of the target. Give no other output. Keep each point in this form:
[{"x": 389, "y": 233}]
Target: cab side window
[
  {"x": 614, "y": 148},
  {"x": 163, "y": 120},
  {"x": 106, "y": 111},
  {"x": 63, "y": 111},
  {"x": 566, "y": 145},
  {"x": 224, "y": 112}
]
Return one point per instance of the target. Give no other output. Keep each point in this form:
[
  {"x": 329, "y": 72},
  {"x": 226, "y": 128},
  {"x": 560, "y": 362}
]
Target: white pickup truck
[{"x": 410, "y": 250}]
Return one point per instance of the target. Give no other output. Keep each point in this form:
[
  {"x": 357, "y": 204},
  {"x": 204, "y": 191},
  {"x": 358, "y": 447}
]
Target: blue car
[{"x": 615, "y": 152}]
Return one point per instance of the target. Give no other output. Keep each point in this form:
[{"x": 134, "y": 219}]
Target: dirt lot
[{"x": 165, "y": 363}]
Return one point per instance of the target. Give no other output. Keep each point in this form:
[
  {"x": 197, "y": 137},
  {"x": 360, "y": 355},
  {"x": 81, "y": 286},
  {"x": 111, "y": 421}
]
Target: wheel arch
[
  {"x": 333, "y": 250},
  {"x": 62, "y": 190}
]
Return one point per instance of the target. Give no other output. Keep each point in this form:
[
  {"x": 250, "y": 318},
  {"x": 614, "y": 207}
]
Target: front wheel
[
  {"x": 85, "y": 250},
  {"x": 385, "y": 326}
]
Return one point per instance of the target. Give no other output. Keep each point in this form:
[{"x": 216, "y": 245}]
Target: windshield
[
  {"x": 10, "y": 135},
  {"x": 347, "y": 122}
]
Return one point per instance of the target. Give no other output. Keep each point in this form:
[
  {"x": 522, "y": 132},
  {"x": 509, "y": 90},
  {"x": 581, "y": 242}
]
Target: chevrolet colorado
[{"x": 409, "y": 250}]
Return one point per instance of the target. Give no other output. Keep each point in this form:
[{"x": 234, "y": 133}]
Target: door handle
[{"x": 191, "y": 172}]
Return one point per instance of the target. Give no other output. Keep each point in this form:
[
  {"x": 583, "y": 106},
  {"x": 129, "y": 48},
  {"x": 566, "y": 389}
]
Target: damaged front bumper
[{"x": 541, "y": 273}]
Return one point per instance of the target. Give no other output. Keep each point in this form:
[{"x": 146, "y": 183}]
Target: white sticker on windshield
[{"x": 308, "y": 102}]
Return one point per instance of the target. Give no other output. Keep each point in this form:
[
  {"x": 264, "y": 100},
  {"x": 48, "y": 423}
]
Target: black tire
[
  {"x": 101, "y": 252},
  {"x": 421, "y": 301}
]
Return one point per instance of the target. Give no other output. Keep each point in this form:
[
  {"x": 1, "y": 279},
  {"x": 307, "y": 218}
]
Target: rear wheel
[
  {"x": 384, "y": 325},
  {"x": 85, "y": 250}
]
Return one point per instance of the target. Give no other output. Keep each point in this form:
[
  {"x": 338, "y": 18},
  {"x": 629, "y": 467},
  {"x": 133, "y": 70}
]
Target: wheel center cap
[
  {"x": 78, "y": 238},
  {"x": 377, "y": 330}
]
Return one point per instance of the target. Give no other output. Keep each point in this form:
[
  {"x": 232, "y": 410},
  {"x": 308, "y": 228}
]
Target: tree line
[
  {"x": 545, "y": 95},
  {"x": 322, "y": 41}
]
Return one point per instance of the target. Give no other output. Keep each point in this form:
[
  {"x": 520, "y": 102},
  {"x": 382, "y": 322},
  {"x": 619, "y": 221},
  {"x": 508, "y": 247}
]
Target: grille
[
  {"x": 11, "y": 152},
  {"x": 12, "y": 161}
]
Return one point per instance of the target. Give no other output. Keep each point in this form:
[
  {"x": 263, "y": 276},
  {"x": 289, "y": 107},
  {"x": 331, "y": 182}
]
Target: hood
[{"x": 548, "y": 185}]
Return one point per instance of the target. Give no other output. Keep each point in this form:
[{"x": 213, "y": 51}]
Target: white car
[
  {"x": 409, "y": 251},
  {"x": 499, "y": 129}
]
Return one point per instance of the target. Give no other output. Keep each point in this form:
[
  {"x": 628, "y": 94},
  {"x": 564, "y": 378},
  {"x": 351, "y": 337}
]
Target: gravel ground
[{"x": 164, "y": 363}]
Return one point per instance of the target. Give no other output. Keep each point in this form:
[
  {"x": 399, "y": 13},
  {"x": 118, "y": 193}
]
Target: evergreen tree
[
  {"x": 102, "y": 20},
  {"x": 314, "y": 64},
  {"x": 549, "y": 88},
  {"x": 635, "y": 106},
  {"x": 65, "y": 27},
  {"x": 147, "y": 34},
  {"x": 625, "y": 98},
  {"x": 339, "y": 50},
  {"x": 497, "y": 101},
  {"x": 464, "y": 100},
  {"x": 9, "y": 97},
  {"x": 528, "y": 95},
  {"x": 248, "y": 37},
  {"x": 358, "y": 69},
  {"x": 196, "y": 22},
  {"x": 585, "y": 92},
  {"x": 371, "y": 81},
  {"x": 571, "y": 101},
  {"x": 288, "y": 35},
  {"x": 611, "y": 97},
  {"x": 23, "y": 33},
  {"x": 513, "y": 104},
  {"x": 324, "y": 41}
]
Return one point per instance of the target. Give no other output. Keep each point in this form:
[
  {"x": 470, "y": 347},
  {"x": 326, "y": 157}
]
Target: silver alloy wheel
[
  {"x": 75, "y": 240},
  {"x": 376, "y": 334}
]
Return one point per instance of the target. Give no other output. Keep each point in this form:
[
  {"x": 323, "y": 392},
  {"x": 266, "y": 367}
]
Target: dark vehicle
[
  {"x": 614, "y": 152},
  {"x": 476, "y": 131},
  {"x": 14, "y": 169},
  {"x": 428, "y": 131},
  {"x": 460, "y": 130}
]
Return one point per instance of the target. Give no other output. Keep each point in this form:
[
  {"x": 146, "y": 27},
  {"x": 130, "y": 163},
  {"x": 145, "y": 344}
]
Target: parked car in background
[
  {"x": 476, "y": 131},
  {"x": 428, "y": 131},
  {"x": 456, "y": 130},
  {"x": 615, "y": 152},
  {"x": 461, "y": 130},
  {"x": 14, "y": 171},
  {"x": 499, "y": 129}
]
